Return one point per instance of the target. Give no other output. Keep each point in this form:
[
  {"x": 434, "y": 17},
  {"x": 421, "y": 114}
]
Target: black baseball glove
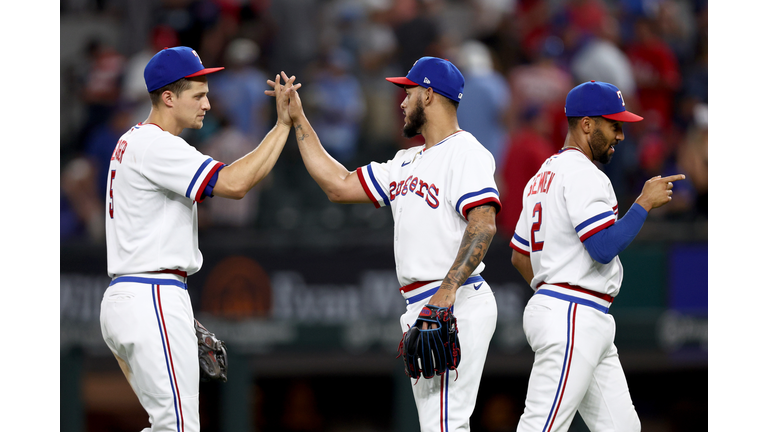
[
  {"x": 431, "y": 351},
  {"x": 212, "y": 354}
]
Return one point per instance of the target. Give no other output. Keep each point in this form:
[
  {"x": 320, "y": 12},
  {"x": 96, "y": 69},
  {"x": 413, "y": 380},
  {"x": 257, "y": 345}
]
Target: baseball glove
[
  {"x": 212, "y": 354},
  {"x": 431, "y": 351}
]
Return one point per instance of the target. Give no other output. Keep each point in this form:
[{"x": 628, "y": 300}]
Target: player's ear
[
  {"x": 429, "y": 96},
  {"x": 167, "y": 97},
  {"x": 587, "y": 124}
]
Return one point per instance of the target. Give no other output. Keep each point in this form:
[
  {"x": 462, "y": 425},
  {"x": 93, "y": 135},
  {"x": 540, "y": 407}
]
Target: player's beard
[
  {"x": 600, "y": 147},
  {"x": 415, "y": 121}
]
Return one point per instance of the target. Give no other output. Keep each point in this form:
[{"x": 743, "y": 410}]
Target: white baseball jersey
[
  {"x": 567, "y": 324},
  {"x": 154, "y": 183},
  {"x": 430, "y": 192},
  {"x": 566, "y": 202}
]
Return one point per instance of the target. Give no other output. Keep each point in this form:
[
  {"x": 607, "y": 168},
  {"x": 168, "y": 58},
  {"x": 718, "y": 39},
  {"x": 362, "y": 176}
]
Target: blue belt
[
  {"x": 432, "y": 291},
  {"x": 153, "y": 281},
  {"x": 572, "y": 299}
]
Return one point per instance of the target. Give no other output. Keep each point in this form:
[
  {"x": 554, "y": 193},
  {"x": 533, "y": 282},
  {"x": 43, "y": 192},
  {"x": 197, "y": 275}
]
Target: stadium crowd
[{"x": 519, "y": 59}]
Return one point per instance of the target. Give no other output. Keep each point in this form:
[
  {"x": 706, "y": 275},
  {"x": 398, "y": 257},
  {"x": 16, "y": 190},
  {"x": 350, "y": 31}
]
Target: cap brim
[
  {"x": 624, "y": 116},
  {"x": 205, "y": 71},
  {"x": 401, "y": 81}
]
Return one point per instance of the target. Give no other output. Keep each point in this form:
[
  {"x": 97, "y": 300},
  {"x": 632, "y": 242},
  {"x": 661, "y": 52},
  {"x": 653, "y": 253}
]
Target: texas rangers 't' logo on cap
[
  {"x": 198, "y": 57},
  {"x": 595, "y": 98}
]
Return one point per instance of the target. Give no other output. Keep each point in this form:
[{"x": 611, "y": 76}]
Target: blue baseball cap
[
  {"x": 441, "y": 75},
  {"x": 595, "y": 98},
  {"x": 173, "y": 64}
]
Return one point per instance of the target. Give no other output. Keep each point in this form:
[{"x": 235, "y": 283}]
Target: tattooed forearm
[
  {"x": 300, "y": 135},
  {"x": 477, "y": 237}
]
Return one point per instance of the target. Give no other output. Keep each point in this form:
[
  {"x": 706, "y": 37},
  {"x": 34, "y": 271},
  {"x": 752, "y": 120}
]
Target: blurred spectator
[
  {"x": 80, "y": 187},
  {"x": 656, "y": 154},
  {"x": 695, "y": 89},
  {"x": 190, "y": 20},
  {"x": 529, "y": 147},
  {"x": 239, "y": 90},
  {"x": 134, "y": 89},
  {"x": 656, "y": 71},
  {"x": 295, "y": 42},
  {"x": 585, "y": 16},
  {"x": 601, "y": 59},
  {"x": 70, "y": 225},
  {"x": 100, "y": 144},
  {"x": 531, "y": 23},
  {"x": 376, "y": 47},
  {"x": 504, "y": 42},
  {"x": 486, "y": 98},
  {"x": 542, "y": 85},
  {"x": 489, "y": 15},
  {"x": 376, "y": 39},
  {"x": 84, "y": 178},
  {"x": 693, "y": 157},
  {"x": 541, "y": 82},
  {"x": 100, "y": 89},
  {"x": 342, "y": 22},
  {"x": 541, "y": 47},
  {"x": 677, "y": 26},
  {"x": 417, "y": 31},
  {"x": 337, "y": 104},
  {"x": 228, "y": 144}
]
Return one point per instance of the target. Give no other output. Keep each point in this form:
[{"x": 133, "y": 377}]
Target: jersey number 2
[
  {"x": 535, "y": 227},
  {"x": 111, "y": 198}
]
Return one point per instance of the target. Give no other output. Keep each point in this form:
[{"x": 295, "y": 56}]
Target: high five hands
[{"x": 288, "y": 101}]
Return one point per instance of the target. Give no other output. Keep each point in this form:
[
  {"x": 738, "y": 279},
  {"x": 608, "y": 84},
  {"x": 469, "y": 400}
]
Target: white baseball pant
[
  {"x": 446, "y": 402},
  {"x": 576, "y": 368},
  {"x": 147, "y": 323}
]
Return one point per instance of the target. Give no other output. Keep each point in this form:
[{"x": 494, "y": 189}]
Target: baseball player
[
  {"x": 154, "y": 183},
  {"x": 566, "y": 245},
  {"x": 444, "y": 201}
]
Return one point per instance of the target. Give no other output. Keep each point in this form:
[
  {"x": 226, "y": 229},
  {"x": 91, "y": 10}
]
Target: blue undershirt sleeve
[
  {"x": 208, "y": 192},
  {"x": 603, "y": 246}
]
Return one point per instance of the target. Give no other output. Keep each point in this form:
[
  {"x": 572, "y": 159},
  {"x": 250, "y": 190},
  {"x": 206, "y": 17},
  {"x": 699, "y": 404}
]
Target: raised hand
[
  {"x": 657, "y": 191},
  {"x": 283, "y": 95}
]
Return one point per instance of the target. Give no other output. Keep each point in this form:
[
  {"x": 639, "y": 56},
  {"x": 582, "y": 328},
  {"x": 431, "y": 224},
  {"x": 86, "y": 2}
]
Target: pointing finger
[{"x": 674, "y": 178}]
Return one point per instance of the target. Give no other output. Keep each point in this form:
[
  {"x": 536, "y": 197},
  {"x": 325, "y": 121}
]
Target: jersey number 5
[
  {"x": 111, "y": 198},
  {"x": 535, "y": 227}
]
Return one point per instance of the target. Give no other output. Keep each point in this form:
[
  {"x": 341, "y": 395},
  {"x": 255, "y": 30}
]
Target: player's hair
[
  {"x": 447, "y": 101},
  {"x": 574, "y": 121},
  {"x": 453, "y": 103},
  {"x": 176, "y": 87}
]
